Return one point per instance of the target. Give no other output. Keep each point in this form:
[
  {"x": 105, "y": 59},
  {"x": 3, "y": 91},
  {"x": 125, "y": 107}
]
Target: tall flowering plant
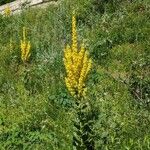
[
  {"x": 25, "y": 46},
  {"x": 7, "y": 11},
  {"x": 78, "y": 64}
]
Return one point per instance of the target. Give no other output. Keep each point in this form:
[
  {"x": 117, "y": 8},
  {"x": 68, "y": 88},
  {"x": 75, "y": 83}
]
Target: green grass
[{"x": 35, "y": 107}]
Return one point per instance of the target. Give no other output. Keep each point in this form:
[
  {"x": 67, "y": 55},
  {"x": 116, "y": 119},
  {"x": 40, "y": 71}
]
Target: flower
[
  {"x": 7, "y": 11},
  {"x": 25, "y": 47},
  {"x": 77, "y": 64}
]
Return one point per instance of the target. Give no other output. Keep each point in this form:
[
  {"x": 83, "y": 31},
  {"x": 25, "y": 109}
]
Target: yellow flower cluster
[
  {"x": 7, "y": 11},
  {"x": 77, "y": 64},
  {"x": 25, "y": 47}
]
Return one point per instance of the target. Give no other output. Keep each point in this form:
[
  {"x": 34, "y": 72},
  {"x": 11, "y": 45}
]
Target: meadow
[{"x": 37, "y": 110}]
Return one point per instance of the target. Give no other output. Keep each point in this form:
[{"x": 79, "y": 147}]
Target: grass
[{"x": 35, "y": 107}]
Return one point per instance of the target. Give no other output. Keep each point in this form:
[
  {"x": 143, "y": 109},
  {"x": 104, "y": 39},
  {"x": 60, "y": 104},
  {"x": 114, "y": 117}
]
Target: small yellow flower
[
  {"x": 25, "y": 47},
  {"x": 7, "y": 11},
  {"x": 77, "y": 64}
]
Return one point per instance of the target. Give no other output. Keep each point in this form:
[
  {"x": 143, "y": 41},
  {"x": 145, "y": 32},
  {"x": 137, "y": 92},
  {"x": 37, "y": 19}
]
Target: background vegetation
[
  {"x": 35, "y": 107},
  {"x": 5, "y": 1}
]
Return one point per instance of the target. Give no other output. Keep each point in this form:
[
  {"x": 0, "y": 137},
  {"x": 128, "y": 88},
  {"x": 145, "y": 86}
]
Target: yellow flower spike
[
  {"x": 74, "y": 34},
  {"x": 25, "y": 47},
  {"x": 77, "y": 64},
  {"x": 7, "y": 11}
]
